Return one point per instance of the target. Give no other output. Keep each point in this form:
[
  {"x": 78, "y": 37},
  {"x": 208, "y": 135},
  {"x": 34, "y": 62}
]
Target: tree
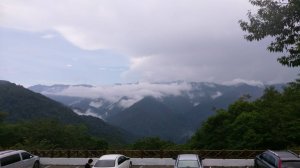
[
  {"x": 151, "y": 143},
  {"x": 47, "y": 134},
  {"x": 270, "y": 122},
  {"x": 213, "y": 133},
  {"x": 2, "y": 116},
  {"x": 279, "y": 19}
]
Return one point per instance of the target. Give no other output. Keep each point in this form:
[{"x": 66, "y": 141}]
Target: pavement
[
  {"x": 83, "y": 166},
  {"x": 136, "y": 166}
]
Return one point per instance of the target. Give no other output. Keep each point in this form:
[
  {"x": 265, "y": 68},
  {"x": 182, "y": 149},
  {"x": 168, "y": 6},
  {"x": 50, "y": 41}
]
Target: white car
[
  {"x": 18, "y": 159},
  {"x": 113, "y": 160},
  {"x": 188, "y": 161}
]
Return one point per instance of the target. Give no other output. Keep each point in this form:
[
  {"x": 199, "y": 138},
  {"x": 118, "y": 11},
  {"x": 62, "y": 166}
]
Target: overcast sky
[{"x": 121, "y": 41}]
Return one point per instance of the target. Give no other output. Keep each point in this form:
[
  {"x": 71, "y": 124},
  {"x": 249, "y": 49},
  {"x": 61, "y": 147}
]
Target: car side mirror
[{"x": 174, "y": 158}]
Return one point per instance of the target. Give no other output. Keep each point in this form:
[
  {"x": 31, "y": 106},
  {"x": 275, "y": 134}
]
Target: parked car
[
  {"x": 188, "y": 160},
  {"x": 18, "y": 159},
  {"x": 277, "y": 159},
  {"x": 113, "y": 160}
]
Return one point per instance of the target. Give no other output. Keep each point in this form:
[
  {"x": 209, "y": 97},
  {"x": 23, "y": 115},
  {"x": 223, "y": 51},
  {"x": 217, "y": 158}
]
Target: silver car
[
  {"x": 113, "y": 161},
  {"x": 18, "y": 159},
  {"x": 188, "y": 161}
]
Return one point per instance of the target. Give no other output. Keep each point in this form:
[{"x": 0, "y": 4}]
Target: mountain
[
  {"x": 150, "y": 117},
  {"x": 172, "y": 111},
  {"x": 53, "y": 89},
  {"x": 21, "y": 104}
]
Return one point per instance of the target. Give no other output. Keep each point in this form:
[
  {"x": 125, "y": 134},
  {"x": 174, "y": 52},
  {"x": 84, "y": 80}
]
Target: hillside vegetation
[
  {"x": 272, "y": 121},
  {"x": 152, "y": 113},
  {"x": 28, "y": 117},
  {"x": 47, "y": 134}
]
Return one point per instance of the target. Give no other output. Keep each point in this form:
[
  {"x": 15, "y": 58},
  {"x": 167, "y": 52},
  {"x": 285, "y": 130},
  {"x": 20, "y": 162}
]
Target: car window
[
  {"x": 26, "y": 155},
  {"x": 105, "y": 163},
  {"x": 121, "y": 160},
  {"x": 187, "y": 163},
  {"x": 10, "y": 159},
  {"x": 271, "y": 160},
  {"x": 264, "y": 156},
  {"x": 291, "y": 164},
  {"x": 268, "y": 158}
]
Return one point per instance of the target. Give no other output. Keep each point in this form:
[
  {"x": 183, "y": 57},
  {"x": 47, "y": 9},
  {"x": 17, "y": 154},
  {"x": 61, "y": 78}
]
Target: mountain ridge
[
  {"x": 192, "y": 102},
  {"x": 149, "y": 115},
  {"x": 21, "y": 104}
]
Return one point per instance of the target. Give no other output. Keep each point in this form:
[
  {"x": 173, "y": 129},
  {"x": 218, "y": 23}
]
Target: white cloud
[
  {"x": 69, "y": 65},
  {"x": 243, "y": 81},
  {"x": 48, "y": 36},
  {"x": 166, "y": 40},
  {"x": 130, "y": 93},
  {"x": 216, "y": 95},
  {"x": 88, "y": 112},
  {"x": 96, "y": 104},
  {"x": 128, "y": 103}
]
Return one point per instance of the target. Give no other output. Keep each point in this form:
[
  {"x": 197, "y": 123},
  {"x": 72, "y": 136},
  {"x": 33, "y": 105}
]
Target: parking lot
[
  {"x": 142, "y": 167},
  {"x": 148, "y": 163},
  {"x": 83, "y": 166}
]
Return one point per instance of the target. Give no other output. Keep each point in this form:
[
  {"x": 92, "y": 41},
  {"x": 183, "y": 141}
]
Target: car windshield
[
  {"x": 291, "y": 164},
  {"x": 105, "y": 163},
  {"x": 188, "y": 163}
]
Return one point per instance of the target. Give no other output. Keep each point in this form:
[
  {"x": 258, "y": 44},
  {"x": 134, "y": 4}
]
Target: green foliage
[
  {"x": 22, "y": 105},
  {"x": 272, "y": 121},
  {"x": 2, "y": 116},
  {"x": 152, "y": 143},
  {"x": 279, "y": 19},
  {"x": 47, "y": 134}
]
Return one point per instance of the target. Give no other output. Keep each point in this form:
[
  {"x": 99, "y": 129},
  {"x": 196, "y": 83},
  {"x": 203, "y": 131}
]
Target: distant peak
[
  {"x": 4, "y": 82},
  {"x": 84, "y": 85},
  {"x": 238, "y": 81}
]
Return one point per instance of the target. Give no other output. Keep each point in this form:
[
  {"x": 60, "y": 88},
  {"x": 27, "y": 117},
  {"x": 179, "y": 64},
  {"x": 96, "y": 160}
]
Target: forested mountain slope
[
  {"x": 21, "y": 104},
  {"x": 270, "y": 122}
]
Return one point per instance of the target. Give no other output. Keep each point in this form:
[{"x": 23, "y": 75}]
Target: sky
[{"x": 103, "y": 42}]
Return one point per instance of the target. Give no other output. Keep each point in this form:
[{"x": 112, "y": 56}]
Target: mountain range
[
  {"x": 21, "y": 105},
  {"x": 172, "y": 111}
]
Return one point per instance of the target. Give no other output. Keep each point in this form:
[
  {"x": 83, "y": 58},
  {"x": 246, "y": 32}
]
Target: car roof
[
  {"x": 286, "y": 155},
  {"x": 188, "y": 157},
  {"x": 110, "y": 157},
  {"x": 8, "y": 152}
]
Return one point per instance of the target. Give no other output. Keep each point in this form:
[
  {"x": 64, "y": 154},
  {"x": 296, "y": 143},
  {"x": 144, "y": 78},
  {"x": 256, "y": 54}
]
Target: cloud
[
  {"x": 216, "y": 95},
  {"x": 69, "y": 65},
  {"x": 88, "y": 112},
  {"x": 127, "y": 94},
  {"x": 48, "y": 36},
  {"x": 165, "y": 40},
  {"x": 243, "y": 81},
  {"x": 96, "y": 104}
]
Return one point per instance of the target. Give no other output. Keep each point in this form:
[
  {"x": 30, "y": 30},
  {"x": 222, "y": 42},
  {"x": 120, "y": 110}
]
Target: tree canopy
[
  {"x": 47, "y": 134},
  {"x": 280, "y": 20},
  {"x": 151, "y": 143},
  {"x": 272, "y": 121}
]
